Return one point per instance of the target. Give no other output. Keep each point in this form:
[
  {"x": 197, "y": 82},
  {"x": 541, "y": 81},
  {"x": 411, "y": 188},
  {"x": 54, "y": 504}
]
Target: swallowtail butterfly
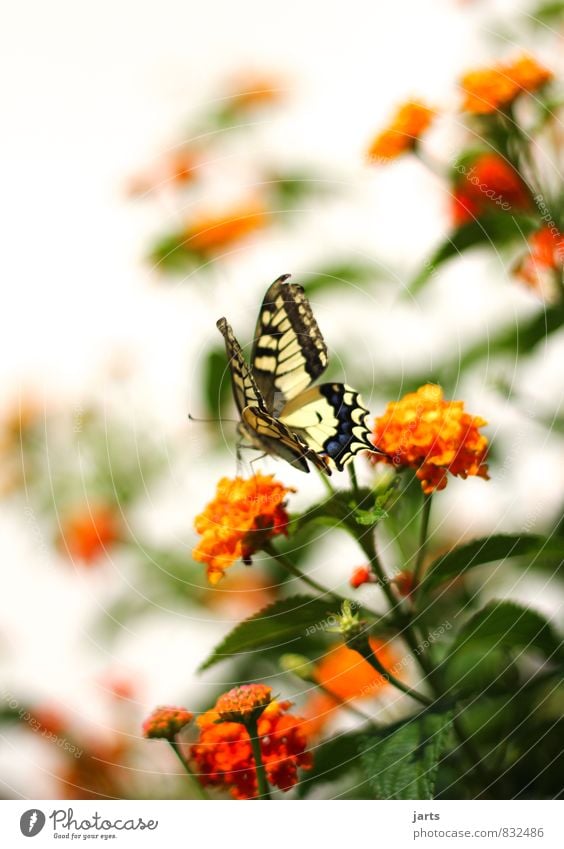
[{"x": 281, "y": 412}]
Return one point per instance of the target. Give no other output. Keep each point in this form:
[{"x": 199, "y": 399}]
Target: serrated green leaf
[
  {"x": 281, "y": 623},
  {"x": 492, "y": 549},
  {"x": 404, "y": 765},
  {"x": 506, "y": 624}
]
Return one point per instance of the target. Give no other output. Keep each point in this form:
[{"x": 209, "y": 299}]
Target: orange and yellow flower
[
  {"x": 243, "y": 703},
  {"x": 488, "y": 89},
  {"x": 243, "y": 516},
  {"x": 407, "y": 126},
  {"x": 433, "y": 436},
  {"x": 87, "y": 533},
  {"x": 223, "y": 754},
  {"x": 166, "y": 722}
]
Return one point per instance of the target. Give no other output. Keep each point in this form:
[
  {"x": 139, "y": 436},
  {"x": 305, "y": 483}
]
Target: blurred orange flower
[
  {"x": 223, "y": 755},
  {"x": 407, "y": 126},
  {"x": 179, "y": 168},
  {"x": 544, "y": 260},
  {"x": 488, "y": 89},
  {"x": 86, "y": 533},
  {"x": 345, "y": 676},
  {"x": 486, "y": 184},
  {"x": 404, "y": 582},
  {"x": 433, "y": 436},
  {"x": 214, "y": 232},
  {"x": 250, "y": 90},
  {"x": 243, "y": 515},
  {"x": 166, "y": 722}
]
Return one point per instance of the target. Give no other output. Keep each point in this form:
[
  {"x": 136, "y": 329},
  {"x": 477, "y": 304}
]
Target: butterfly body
[{"x": 281, "y": 412}]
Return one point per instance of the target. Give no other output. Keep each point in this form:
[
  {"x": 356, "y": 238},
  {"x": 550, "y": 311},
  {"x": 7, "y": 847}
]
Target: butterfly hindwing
[
  {"x": 289, "y": 352},
  {"x": 331, "y": 419},
  {"x": 272, "y": 436}
]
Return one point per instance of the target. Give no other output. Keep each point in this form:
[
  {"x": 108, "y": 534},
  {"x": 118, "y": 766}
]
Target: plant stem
[
  {"x": 196, "y": 786},
  {"x": 262, "y": 781},
  {"x": 423, "y": 539},
  {"x": 346, "y": 705},
  {"x": 294, "y": 570},
  {"x": 405, "y": 626},
  {"x": 369, "y": 656},
  {"x": 352, "y": 475},
  {"x": 326, "y": 482}
]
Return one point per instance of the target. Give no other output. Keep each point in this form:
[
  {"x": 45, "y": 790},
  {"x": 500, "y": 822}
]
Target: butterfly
[{"x": 281, "y": 412}]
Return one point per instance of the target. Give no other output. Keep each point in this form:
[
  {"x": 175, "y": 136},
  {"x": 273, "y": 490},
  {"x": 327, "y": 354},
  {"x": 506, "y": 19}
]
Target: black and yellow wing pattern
[{"x": 281, "y": 411}]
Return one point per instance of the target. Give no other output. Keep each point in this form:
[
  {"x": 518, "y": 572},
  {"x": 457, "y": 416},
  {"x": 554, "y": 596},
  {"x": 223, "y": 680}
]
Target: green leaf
[
  {"x": 462, "y": 559},
  {"x": 405, "y": 764},
  {"x": 216, "y": 382},
  {"x": 280, "y": 624},
  {"x": 347, "y": 508},
  {"x": 333, "y": 759},
  {"x": 340, "y": 275},
  {"x": 499, "y": 229},
  {"x": 506, "y": 624}
]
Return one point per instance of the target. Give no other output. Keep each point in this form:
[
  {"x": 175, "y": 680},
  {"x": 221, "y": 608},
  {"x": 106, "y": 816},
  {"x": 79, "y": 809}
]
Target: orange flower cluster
[
  {"x": 223, "y": 755},
  {"x": 486, "y": 184},
  {"x": 408, "y": 124},
  {"x": 488, "y": 89},
  {"x": 243, "y": 515},
  {"x": 545, "y": 259},
  {"x": 166, "y": 722},
  {"x": 86, "y": 533},
  {"x": 433, "y": 436},
  {"x": 243, "y": 703},
  {"x": 212, "y": 233}
]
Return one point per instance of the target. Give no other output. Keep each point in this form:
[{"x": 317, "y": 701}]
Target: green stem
[
  {"x": 262, "y": 781},
  {"x": 294, "y": 570},
  {"x": 196, "y": 786},
  {"x": 423, "y": 539},
  {"x": 352, "y": 475},
  {"x": 326, "y": 482},
  {"x": 364, "y": 649},
  {"x": 405, "y": 626},
  {"x": 346, "y": 705}
]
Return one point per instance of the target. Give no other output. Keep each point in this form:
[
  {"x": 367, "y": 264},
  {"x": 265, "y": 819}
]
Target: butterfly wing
[
  {"x": 288, "y": 350},
  {"x": 272, "y": 436},
  {"x": 331, "y": 420},
  {"x": 245, "y": 389},
  {"x": 262, "y": 429}
]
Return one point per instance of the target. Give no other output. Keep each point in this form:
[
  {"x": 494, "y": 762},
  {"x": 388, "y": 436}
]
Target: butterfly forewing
[
  {"x": 289, "y": 352},
  {"x": 245, "y": 389}
]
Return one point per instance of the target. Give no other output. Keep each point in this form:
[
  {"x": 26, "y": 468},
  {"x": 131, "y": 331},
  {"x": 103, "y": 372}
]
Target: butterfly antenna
[{"x": 211, "y": 421}]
